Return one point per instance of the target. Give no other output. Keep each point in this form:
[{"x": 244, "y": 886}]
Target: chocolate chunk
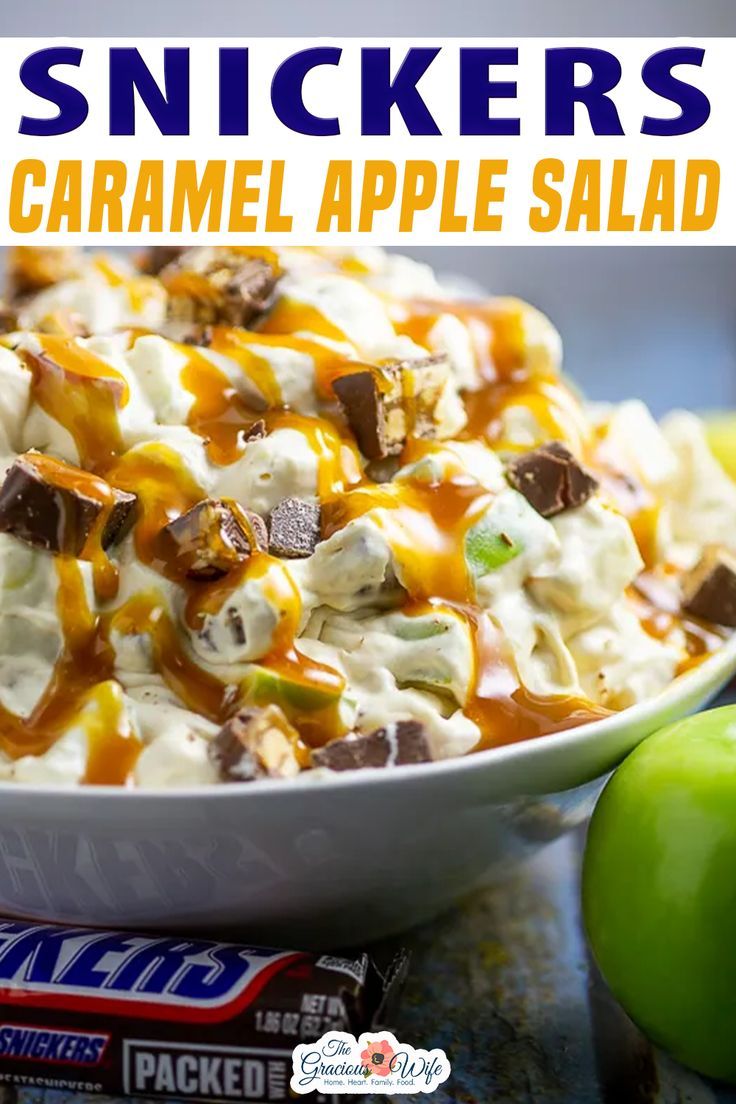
[
  {"x": 55, "y": 506},
  {"x": 395, "y": 745},
  {"x": 255, "y": 743},
  {"x": 210, "y": 539},
  {"x": 709, "y": 590},
  {"x": 209, "y": 286},
  {"x": 121, "y": 519},
  {"x": 384, "y": 405},
  {"x": 159, "y": 256},
  {"x": 256, "y": 431},
  {"x": 294, "y": 528},
  {"x": 551, "y": 479},
  {"x": 257, "y": 531},
  {"x": 43, "y": 366},
  {"x": 361, "y": 402}
]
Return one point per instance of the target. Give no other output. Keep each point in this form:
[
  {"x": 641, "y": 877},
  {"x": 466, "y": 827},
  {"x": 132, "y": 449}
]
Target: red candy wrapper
[{"x": 141, "y": 1015}]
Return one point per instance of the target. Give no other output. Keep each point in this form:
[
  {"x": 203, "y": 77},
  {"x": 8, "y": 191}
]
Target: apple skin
[
  {"x": 659, "y": 889},
  {"x": 720, "y": 431}
]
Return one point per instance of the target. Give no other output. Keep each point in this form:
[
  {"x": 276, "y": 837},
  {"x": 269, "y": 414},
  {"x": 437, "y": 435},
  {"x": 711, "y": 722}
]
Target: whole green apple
[{"x": 659, "y": 889}]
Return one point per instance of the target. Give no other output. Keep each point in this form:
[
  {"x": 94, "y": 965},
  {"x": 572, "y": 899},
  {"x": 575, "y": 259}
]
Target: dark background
[{"x": 655, "y": 322}]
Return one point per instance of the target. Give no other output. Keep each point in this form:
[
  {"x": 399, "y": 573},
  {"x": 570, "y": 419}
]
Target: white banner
[{"x": 477, "y": 141}]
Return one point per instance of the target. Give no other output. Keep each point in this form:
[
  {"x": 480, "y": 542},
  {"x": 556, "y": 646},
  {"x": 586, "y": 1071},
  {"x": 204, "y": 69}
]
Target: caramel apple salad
[{"x": 272, "y": 513}]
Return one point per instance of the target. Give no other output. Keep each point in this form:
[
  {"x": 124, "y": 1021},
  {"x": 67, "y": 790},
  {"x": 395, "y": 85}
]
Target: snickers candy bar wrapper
[{"x": 168, "y": 1016}]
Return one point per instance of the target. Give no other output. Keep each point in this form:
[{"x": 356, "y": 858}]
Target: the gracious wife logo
[{"x": 374, "y": 1063}]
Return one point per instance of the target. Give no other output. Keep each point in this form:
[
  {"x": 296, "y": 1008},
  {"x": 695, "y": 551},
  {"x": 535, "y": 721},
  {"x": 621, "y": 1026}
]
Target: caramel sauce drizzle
[
  {"x": 234, "y": 344},
  {"x": 292, "y": 317},
  {"x": 188, "y": 283},
  {"x": 660, "y": 615},
  {"x": 628, "y": 494},
  {"x": 112, "y": 747},
  {"x": 67, "y": 477},
  {"x": 552, "y": 405},
  {"x": 504, "y": 711},
  {"x": 145, "y": 615},
  {"x": 338, "y": 460},
  {"x": 311, "y": 690},
  {"x": 220, "y": 414},
  {"x": 139, "y": 288},
  {"x": 510, "y": 376},
  {"x": 83, "y": 393},
  {"x": 77, "y": 670},
  {"x": 262, "y": 252},
  {"x": 638, "y": 505},
  {"x": 425, "y": 524},
  {"x": 165, "y": 488},
  {"x": 78, "y": 692}
]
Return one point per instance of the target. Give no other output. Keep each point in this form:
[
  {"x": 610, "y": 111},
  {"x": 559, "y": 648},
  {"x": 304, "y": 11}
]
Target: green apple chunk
[
  {"x": 263, "y": 687},
  {"x": 659, "y": 889},
  {"x": 500, "y": 535},
  {"x": 486, "y": 549},
  {"x": 720, "y": 432},
  {"x": 417, "y": 628},
  {"x": 430, "y": 651}
]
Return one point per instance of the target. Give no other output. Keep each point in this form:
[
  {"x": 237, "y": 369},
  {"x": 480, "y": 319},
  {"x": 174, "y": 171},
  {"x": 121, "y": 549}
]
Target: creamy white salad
[{"x": 272, "y": 513}]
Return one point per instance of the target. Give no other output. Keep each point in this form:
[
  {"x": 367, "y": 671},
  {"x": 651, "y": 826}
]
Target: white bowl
[{"x": 315, "y": 863}]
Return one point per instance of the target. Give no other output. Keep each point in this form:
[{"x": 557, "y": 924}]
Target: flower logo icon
[{"x": 376, "y": 1058}]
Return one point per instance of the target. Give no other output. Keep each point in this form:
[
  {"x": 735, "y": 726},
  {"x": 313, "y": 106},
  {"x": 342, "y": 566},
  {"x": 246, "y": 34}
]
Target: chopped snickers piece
[
  {"x": 362, "y": 404},
  {"x": 159, "y": 256},
  {"x": 395, "y": 745},
  {"x": 294, "y": 528},
  {"x": 210, "y": 539},
  {"x": 52, "y": 505},
  {"x": 198, "y": 335},
  {"x": 709, "y": 590},
  {"x": 255, "y": 743},
  {"x": 33, "y": 268},
  {"x": 210, "y": 286},
  {"x": 384, "y": 405},
  {"x": 121, "y": 519},
  {"x": 256, "y": 431},
  {"x": 551, "y": 479}
]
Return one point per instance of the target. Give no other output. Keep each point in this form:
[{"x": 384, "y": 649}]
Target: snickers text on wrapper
[
  {"x": 118, "y": 1013},
  {"x": 351, "y": 141}
]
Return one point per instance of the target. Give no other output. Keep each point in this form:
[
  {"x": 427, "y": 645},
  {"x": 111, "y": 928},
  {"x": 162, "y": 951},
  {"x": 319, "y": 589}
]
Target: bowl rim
[{"x": 714, "y": 670}]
